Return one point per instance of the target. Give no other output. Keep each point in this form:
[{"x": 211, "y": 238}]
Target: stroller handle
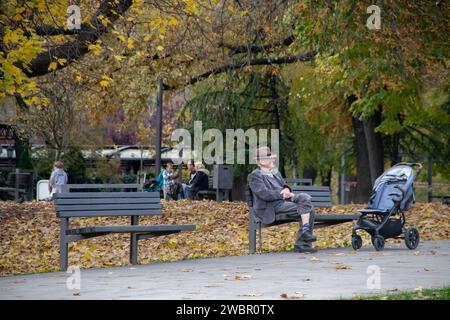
[{"x": 418, "y": 166}]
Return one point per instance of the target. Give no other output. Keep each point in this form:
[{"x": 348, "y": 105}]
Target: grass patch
[{"x": 419, "y": 294}]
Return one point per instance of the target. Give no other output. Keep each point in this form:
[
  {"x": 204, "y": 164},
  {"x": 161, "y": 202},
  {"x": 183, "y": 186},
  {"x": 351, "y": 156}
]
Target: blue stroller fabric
[
  {"x": 395, "y": 184},
  {"x": 384, "y": 217}
]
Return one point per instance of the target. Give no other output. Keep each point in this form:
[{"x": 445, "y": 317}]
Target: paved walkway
[{"x": 330, "y": 273}]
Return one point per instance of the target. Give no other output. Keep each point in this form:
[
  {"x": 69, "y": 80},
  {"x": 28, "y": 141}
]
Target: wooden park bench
[
  {"x": 110, "y": 204},
  {"x": 213, "y": 193},
  {"x": 443, "y": 199},
  {"x": 101, "y": 187},
  {"x": 20, "y": 184},
  {"x": 320, "y": 198},
  {"x": 210, "y": 193},
  {"x": 220, "y": 184}
]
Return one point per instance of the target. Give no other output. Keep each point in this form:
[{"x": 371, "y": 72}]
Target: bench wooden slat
[
  {"x": 107, "y": 201},
  {"x": 74, "y": 186},
  {"x": 210, "y": 182},
  {"x": 320, "y": 221},
  {"x": 322, "y": 204},
  {"x": 109, "y": 213},
  {"x": 310, "y": 188},
  {"x": 321, "y": 198},
  {"x": 132, "y": 229},
  {"x": 104, "y": 206},
  {"x": 207, "y": 192},
  {"x": 319, "y": 217},
  {"x": 83, "y": 195},
  {"x": 314, "y": 193},
  {"x": 317, "y": 193},
  {"x": 336, "y": 217},
  {"x": 303, "y": 181}
]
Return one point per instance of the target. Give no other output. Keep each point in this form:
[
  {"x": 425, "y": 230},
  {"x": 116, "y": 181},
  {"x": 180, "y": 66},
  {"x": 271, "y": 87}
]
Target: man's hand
[{"x": 286, "y": 193}]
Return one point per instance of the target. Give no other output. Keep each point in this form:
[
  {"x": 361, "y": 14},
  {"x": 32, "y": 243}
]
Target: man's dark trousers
[{"x": 301, "y": 203}]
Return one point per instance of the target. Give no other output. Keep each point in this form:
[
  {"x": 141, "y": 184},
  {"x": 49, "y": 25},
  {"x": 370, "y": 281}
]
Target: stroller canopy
[
  {"x": 394, "y": 174},
  {"x": 395, "y": 184}
]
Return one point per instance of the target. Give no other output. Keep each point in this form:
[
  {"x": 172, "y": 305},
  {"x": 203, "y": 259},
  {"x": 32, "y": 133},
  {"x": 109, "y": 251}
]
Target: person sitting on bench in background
[
  {"x": 200, "y": 181},
  {"x": 186, "y": 186},
  {"x": 271, "y": 196}
]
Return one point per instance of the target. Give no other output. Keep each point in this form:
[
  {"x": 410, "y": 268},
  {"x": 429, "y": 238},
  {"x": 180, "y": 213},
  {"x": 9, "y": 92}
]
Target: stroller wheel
[
  {"x": 378, "y": 242},
  {"x": 356, "y": 242},
  {"x": 412, "y": 238}
]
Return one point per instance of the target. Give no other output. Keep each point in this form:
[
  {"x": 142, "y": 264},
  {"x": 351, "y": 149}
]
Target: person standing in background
[
  {"x": 168, "y": 180},
  {"x": 58, "y": 179}
]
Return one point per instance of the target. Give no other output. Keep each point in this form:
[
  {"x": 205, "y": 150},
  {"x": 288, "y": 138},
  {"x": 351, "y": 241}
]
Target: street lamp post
[{"x": 159, "y": 114}]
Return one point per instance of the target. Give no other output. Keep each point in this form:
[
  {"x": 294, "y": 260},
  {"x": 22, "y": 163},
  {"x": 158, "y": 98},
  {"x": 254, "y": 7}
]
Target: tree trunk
[
  {"x": 363, "y": 181},
  {"x": 294, "y": 168},
  {"x": 239, "y": 187},
  {"x": 374, "y": 146},
  {"x": 277, "y": 120},
  {"x": 395, "y": 151},
  {"x": 325, "y": 177},
  {"x": 310, "y": 173}
]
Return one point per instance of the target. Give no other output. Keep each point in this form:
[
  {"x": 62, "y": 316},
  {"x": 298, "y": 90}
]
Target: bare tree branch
[
  {"x": 308, "y": 56},
  {"x": 76, "y": 48},
  {"x": 235, "y": 49}
]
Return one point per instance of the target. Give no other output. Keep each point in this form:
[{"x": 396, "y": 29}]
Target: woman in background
[{"x": 200, "y": 181}]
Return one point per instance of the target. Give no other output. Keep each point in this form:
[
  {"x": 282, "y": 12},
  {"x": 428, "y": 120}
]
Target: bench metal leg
[
  {"x": 260, "y": 237},
  {"x": 63, "y": 244},
  {"x": 252, "y": 241},
  {"x": 251, "y": 237},
  {"x": 134, "y": 242}
]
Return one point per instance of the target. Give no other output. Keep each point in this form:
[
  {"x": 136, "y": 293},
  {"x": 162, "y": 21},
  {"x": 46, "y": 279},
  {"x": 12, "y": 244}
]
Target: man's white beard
[{"x": 270, "y": 171}]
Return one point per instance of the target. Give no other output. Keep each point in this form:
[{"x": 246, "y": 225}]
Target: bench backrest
[
  {"x": 210, "y": 182},
  {"x": 304, "y": 182},
  {"x": 320, "y": 195},
  {"x": 103, "y": 204},
  {"x": 25, "y": 178},
  {"x": 115, "y": 186}
]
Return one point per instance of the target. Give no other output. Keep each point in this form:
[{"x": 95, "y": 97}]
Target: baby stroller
[
  {"x": 153, "y": 184},
  {"x": 384, "y": 217}
]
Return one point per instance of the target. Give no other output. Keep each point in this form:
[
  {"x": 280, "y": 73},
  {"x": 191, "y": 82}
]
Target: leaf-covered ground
[{"x": 29, "y": 234}]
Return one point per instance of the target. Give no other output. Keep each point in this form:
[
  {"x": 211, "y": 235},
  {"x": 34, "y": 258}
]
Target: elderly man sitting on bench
[{"x": 272, "y": 196}]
